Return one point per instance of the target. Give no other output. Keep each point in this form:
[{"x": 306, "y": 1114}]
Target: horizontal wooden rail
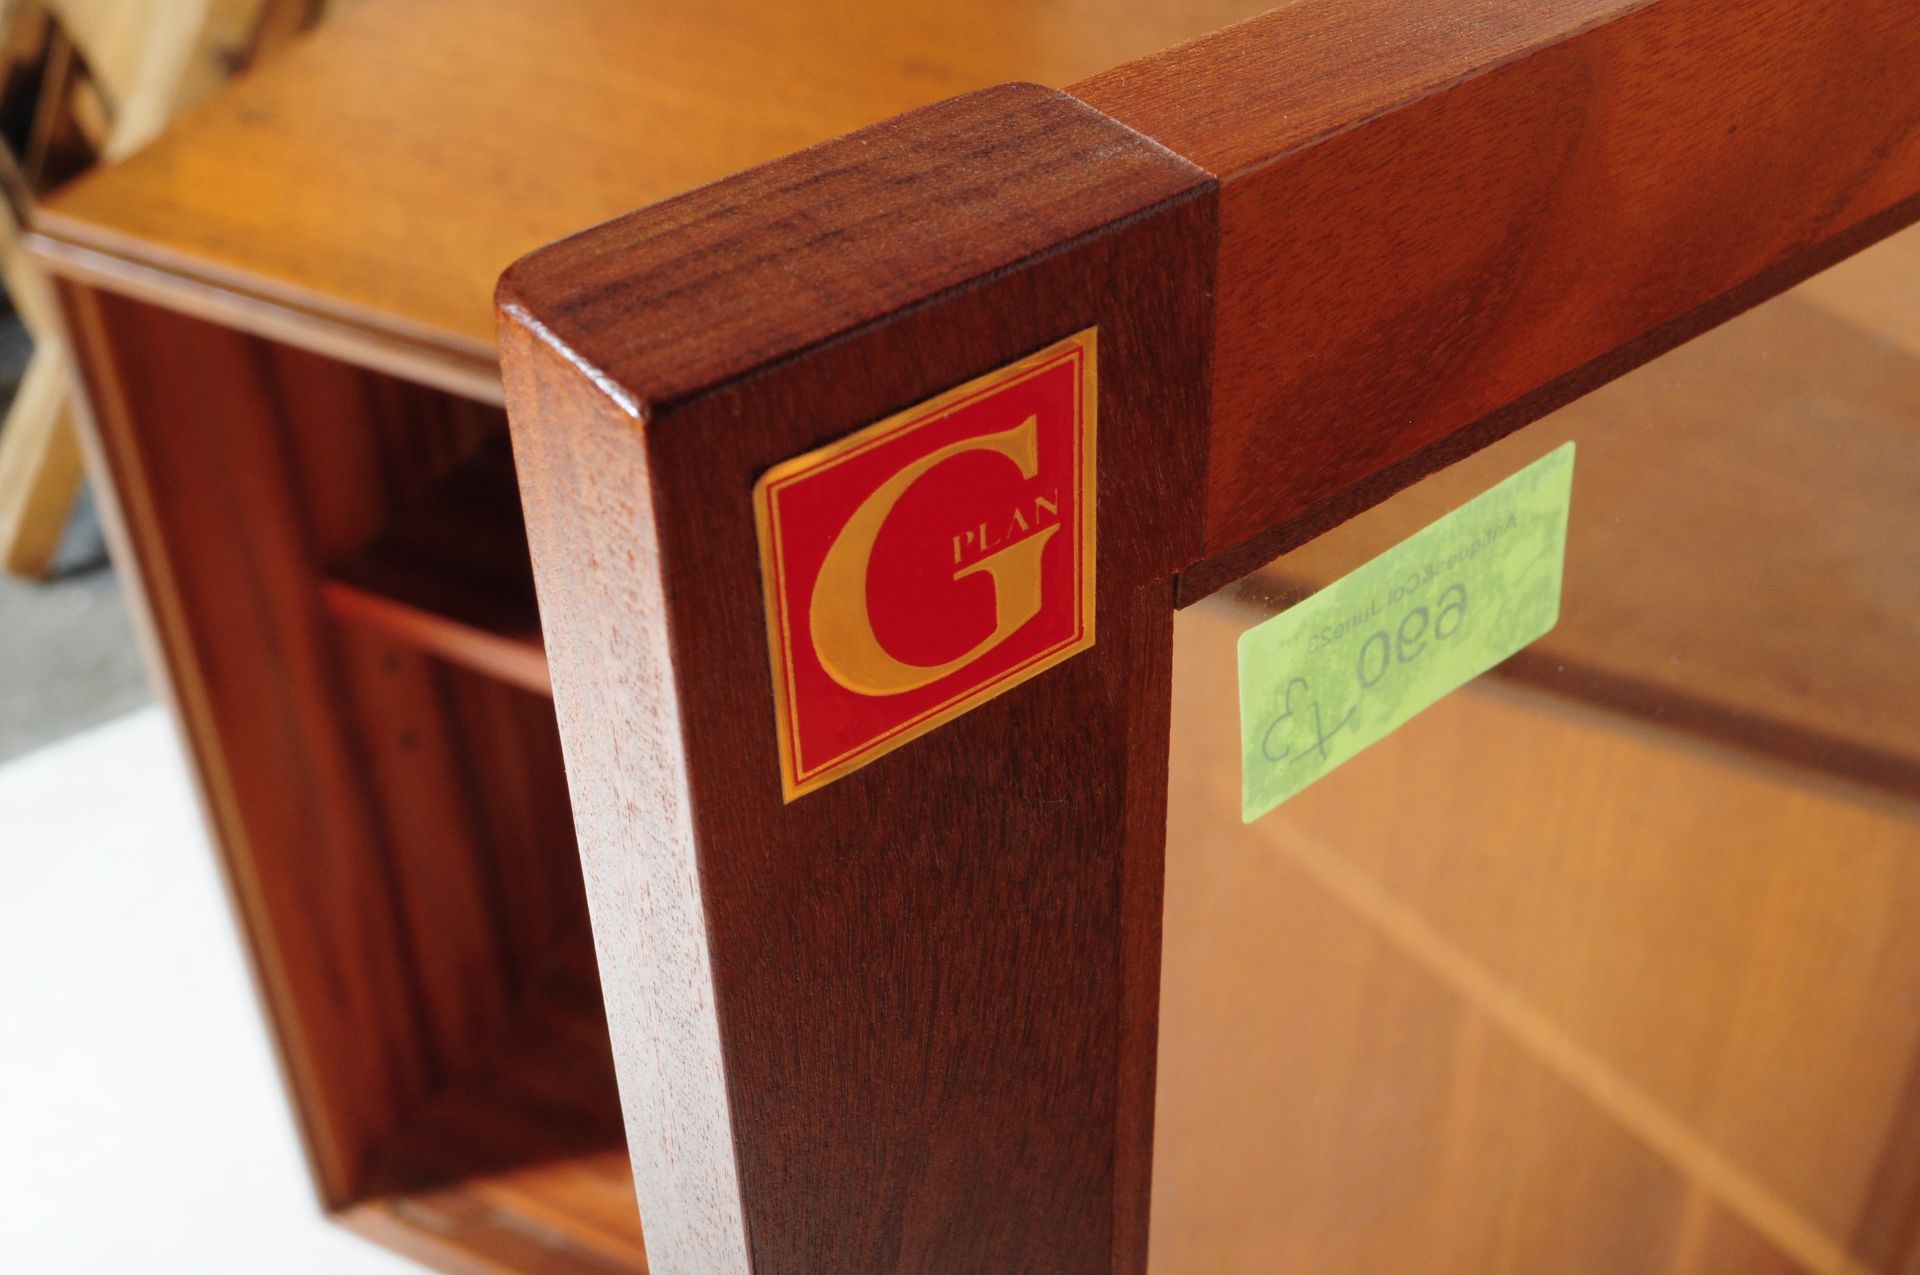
[
  {"x": 906, "y": 1020},
  {"x": 1438, "y": 220}
]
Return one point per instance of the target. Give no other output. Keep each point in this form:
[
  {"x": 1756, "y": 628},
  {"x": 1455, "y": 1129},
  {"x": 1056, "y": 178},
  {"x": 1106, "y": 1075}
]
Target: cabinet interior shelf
[{"x": 450, "y": 575}]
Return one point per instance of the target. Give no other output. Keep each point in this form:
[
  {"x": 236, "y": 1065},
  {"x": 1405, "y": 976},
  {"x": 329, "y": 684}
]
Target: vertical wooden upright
[{"x": 906, "y": 1021}]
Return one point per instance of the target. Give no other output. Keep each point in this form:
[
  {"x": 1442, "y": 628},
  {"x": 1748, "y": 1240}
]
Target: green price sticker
[{"x": 1324, "y": 679}]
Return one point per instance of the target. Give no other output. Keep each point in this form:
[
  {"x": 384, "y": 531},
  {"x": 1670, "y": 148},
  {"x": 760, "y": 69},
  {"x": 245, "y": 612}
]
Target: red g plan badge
[{"x": 928, "y": 562}]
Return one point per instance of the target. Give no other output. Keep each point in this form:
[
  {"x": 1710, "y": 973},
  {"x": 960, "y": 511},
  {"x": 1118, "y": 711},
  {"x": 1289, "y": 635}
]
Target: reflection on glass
[{"x": 1608, "y": 962}]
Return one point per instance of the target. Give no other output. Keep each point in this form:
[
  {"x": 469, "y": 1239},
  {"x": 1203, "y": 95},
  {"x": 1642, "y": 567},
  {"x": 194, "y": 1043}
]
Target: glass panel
[{"x": 1608, "y": 962}]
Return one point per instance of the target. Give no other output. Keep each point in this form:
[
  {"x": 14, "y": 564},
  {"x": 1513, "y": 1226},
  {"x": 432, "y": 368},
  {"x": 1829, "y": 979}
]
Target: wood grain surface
[
  {"x": 367, "y": 189},
  {"x": 905, "y": 1022},
  {"x": 1445, "y": 221},
  {"x": 909, "y": 1022}
]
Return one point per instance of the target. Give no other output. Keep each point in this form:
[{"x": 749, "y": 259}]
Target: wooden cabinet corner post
[{"x": 906, "y": 1019}]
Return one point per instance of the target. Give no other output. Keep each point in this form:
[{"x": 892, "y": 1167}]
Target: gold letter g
[{"x": 842, "y": 624}]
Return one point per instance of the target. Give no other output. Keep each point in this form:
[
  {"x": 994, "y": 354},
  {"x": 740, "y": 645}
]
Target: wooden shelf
[
  {"x": 1741, "y": 561},
  {"x": 451, "y": 576}
]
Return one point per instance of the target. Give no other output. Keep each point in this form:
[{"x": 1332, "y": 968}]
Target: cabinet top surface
[{"x": 383, "y": 172}]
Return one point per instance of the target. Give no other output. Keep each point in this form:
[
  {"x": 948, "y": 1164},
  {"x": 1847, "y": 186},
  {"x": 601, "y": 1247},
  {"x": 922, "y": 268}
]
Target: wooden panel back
[
  {"x": 1598, "y": 965},
  {"x": 1582, "y": 997}
]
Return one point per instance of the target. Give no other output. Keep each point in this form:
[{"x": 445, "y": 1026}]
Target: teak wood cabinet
[{"x": 1603, "y": 964}]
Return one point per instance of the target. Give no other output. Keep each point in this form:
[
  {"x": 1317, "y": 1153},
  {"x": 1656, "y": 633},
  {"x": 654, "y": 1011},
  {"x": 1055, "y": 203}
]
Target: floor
[
  {"x": 67, "y": 654},
  {"x": 140, "y": 1110}
]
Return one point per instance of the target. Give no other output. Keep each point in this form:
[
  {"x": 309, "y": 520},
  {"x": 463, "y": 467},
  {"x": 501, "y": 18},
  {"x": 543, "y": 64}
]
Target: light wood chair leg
[
  {"x": 39, "y": 467},
  {"x": 151, "y": 63}
]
